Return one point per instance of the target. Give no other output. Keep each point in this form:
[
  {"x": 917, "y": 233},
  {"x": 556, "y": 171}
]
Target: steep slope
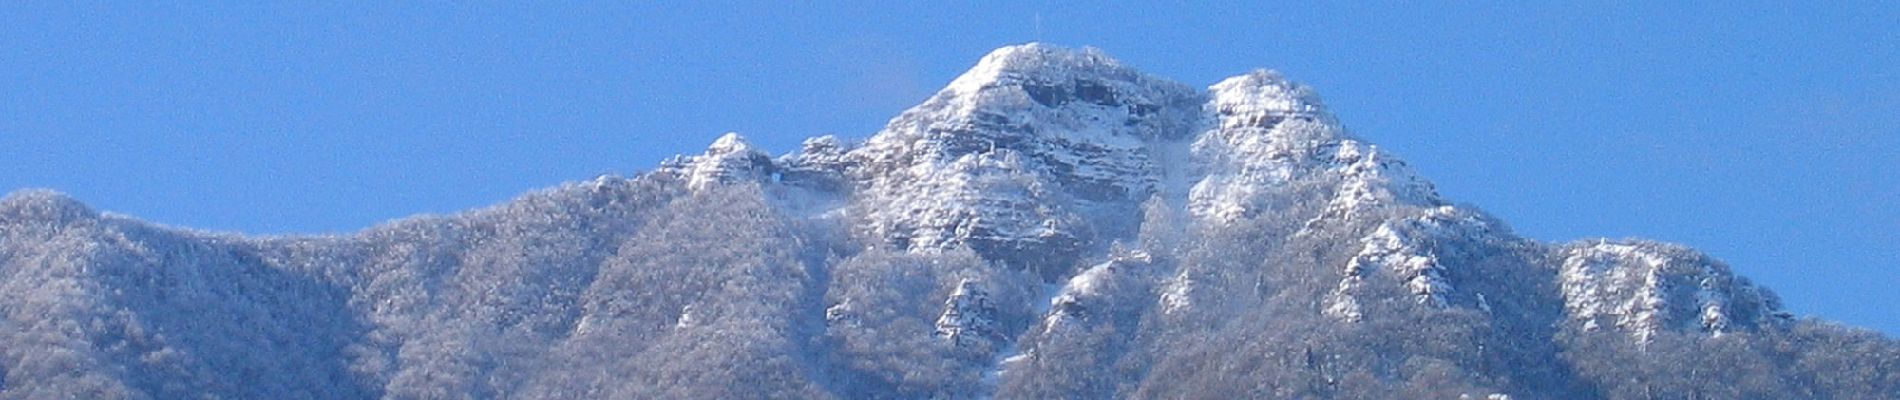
[
  {"x": 1034, "y": 154},
  {"x": 1052, "y": 224}
]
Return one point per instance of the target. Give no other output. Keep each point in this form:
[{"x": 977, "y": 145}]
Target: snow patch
[
  {"x": 969, "y": 315},
  {"x": 1642, "y": 288},
  {"x": 1406, "y": 249},
  {"x": 1177, "y": 293},
  {"x": 729, "y": 159}
]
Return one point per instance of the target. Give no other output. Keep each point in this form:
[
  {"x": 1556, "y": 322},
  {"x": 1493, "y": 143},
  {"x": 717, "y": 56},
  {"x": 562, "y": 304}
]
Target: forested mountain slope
[{"x": 1053, "y": 224}]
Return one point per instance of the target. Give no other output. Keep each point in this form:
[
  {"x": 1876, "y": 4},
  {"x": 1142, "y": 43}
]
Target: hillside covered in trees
[{"x": 1053, "y": 224}]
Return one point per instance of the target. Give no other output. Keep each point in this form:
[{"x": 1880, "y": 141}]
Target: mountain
[{"x": 1053, "y": 224}]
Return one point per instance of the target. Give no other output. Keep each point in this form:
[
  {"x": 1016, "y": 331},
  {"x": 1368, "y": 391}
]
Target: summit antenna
[{"x": 1038, "y": 26}]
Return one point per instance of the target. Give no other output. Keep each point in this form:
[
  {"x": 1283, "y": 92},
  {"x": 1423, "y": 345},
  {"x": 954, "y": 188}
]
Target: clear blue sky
[{"x": 1767, "y": 135}]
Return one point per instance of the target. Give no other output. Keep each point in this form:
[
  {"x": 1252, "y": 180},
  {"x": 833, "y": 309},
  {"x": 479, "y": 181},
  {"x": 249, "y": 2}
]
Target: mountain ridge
[{"x": 1051, "y": 224}]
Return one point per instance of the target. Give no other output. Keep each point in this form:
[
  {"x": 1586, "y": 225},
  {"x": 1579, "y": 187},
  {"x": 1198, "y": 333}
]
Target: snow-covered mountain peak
[
  {"x": 1029, "y": 141},
  {"x": 1040, "y": 89},
  {"x": 1036, "y": 61},
  {"x": 1040, "y": 154},
  {"x": 1263, "y": 94},
  {"x": 731, "y": 158},
  {"x": 1265, "y": 131},
  {"x": 730, "y": 143},
  {"x": 1052, "y": 225}
]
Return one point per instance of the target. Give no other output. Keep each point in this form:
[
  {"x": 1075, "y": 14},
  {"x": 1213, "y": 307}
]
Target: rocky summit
[{"x": 1051, "y": 224}]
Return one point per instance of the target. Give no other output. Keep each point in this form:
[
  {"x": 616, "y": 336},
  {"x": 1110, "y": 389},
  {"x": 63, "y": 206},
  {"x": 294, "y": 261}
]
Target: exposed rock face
[
  {"x": 1418, "y": 253},
  {"x": 1039, "y": 155},
  {"x": 819, "y": 164},
  {"x": 1641, "y": 288},
  {"x": 1053, "y": 224},
  {"x": 1037, "y": 150},
  {"x": 729, "y": 159}
]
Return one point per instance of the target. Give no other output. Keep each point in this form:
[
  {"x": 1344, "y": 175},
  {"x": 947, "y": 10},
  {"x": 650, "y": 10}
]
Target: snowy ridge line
[
  {"x": 1052, "y": 225},
  {"x": 1038, "y": 148}
]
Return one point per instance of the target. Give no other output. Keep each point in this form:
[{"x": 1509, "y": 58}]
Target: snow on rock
[
  {"x": 819, "y": 164},
  {"x": 990, "y": 202},
  {"x": 969, "y": 316},
  {"x": 1262, "y": 97},
  {"x": 1268, "y": 132},
  {"x": 1072, "y": 301},
  {"x": 1012, "y": 156},
  {"x": 1370, "y": 179},
  {"x": 686, "y": 319},
  {"x": 729, "y": 159},
  {"x": 1038, "y": 151},
  {"x": 1641, "y": 288},
  {"x": 1177, "y": 293},
  {"x": 1407, "y": 250},
  {"x": 841, "y": 314},
  {"x": 824, "y": 150},
  {"x": 1263, "y": 132}
]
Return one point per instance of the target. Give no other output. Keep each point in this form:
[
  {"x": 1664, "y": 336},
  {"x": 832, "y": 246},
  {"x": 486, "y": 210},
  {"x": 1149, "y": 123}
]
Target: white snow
[
  {"x": 1002, "y": 64},
  {"x": 1261, "y": 134},
  {"x": 1012, "y": 352},
  {"x": 968, "y": 315},
  {"x": 1267, "y": 132},
  {"x": 1263, "y": 93},
  {"x": 729, "y": 159},
  {"x": 1372, "y": 179},
  {"x": 1404, "y": 250},
  {"x": 985, "y": 157},
  {"x": 1631, "y": 286},
  {"x": 1613, "y": 280},
  {"x": 1087, "y": 283},
  {"x": 1030, "y": 143},
  {"x": 1177, "y": 293}
]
